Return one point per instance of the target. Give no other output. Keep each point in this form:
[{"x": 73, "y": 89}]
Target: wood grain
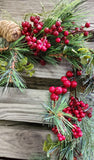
[
  {"x": 22, "y": 141},
  {"x": 22, "y": 112}
]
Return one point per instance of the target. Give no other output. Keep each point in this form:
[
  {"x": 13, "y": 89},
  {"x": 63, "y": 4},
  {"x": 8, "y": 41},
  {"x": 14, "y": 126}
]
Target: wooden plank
[
  {"x": 22, "y": 141},
  {"x": 52, "y": 71},
  {"x": 18, "y": 8},
  {"x": 28, "y": 96},
  {"x": 90, "y": 45},
  {"x": 26, "y": 106},
  {"x": 22, "y": 112}
]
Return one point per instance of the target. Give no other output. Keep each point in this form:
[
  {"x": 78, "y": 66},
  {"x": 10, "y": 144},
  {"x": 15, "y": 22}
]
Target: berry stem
[
  {"x": 75, "y": 93},
  {"x": 54, "y": 104}
]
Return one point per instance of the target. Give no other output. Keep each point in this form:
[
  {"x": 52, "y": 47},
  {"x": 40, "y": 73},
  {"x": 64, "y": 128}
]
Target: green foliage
[
  {"x": 82, "y": 147},
  {"x": 52, "y": 116},
  {"x": 13, "y": 63},
  {"x": 23, "y": 65}
]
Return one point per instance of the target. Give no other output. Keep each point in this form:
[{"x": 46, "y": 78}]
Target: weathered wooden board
[{"x": 22, "y": 141}]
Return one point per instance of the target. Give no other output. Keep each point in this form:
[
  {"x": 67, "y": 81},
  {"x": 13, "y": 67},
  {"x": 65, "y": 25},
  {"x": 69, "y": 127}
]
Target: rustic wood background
[{"x": 21, "y": 127}]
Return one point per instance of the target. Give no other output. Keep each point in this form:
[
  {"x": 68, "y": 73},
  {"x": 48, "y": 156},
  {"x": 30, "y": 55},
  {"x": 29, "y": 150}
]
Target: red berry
[
  {"x": 46, "y": 30},
  {"x": 60, "y": 138},
  {"x": 72, "y": 98},
  {"x": 58, "y": 23},
  {"x": 59, "y": 59},
  {"x": 71, "y": 103},
  {"x": 73, "y": 84},
  {"x": 27, "y": 34},
  {"x": 87, "y": 25},
  {"x": 69, "y": 119},
  {"x": 77, "y": 29},
  {"x": 36, "y": 21},
  {"x": 59, "y": 135},
  {"x": 23, "y": 24},
  {"x": 25, "y": 29},
  {"x": 35, "y": 53},
  {"x": 43, "y": 49},
  {"x": 37, "y": 17},
  {"x": 32, "y": 18},
  {"x": 39, "y": 41},
  {"x": 39, "y": 47},
  {"x": 35, "y": 31},
  {"x": 53, "y": 27},
  {"x": 34, "y": 45},
  {"x": 78, "y": 129},
  {"x": 56, "y": 131},
  {"x": 73, "y": 129},
  {"x": 22, "y": 32},
  {"x": 48, "y": 45},
  {"x": 64, "y": 38},
  {"x": 66, "y": 33},
  {"x": 53, "y": 129},
  {"x": 82, "y": 115},
  {"x": 28, "y": 38},
  {"x": 55, "y": 33},
  {"x": 82, "y": 104},
  {"x": 67, "y": 83},
  {"x": 79, "y": 119},
  {"x": 89, "y": 115},
  {"x": 42, "y": 62},
  {"x": 58, "y": 40},
  {"x": 79, "y": 73},
  {"x": 66, "y": 41},
  {"x": 64, "y": 90},
  {"x": 86, "y": 106},
  {"x": 63, "y": 78},
  {"x": 75, "y": 133},
  {"x": 39, "y": 27},
  {"x": 77, "y": 103},
  {"x": 54, "y": 97},
  {"x": 75, "y": 125},
  {"x": 69, "y": 74},
  {"x": 60, "y": 29},
  {"x": 76, "y": 136},
  {"x": 76, "y": 111},
  {"x": 34, "y": 39},
  {"x": 86, "y": 33},
  {"x": 75, "y": 158},
  {"x": 52, "y": 89},
  {"x": 63, "y": 137},
  {"x": 58, "y": 90},
  {"x": 29, "y": 43},
  {"x": 78, "y": 115},
  {"x": 80, "y": 133},
  {"x": 41, "y": 23}
]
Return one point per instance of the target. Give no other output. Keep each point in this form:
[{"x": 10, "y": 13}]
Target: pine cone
[{"x": 9, "y": 30}]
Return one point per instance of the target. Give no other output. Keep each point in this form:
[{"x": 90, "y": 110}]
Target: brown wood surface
[{"x": 22, "y": 141}]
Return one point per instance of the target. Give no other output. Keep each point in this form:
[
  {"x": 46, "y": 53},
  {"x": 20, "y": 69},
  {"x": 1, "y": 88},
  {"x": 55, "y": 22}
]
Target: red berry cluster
[
  {"x": 30, "y": 30},
  {"x": 59, "y": 135},
  {"x": 77, "y": 131},
  {"x": 78, "y": 109},
  {"x": 55, "y": 92},
  {"x": 55, "y": 30},
  {"x": 82, "y": 30}
]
